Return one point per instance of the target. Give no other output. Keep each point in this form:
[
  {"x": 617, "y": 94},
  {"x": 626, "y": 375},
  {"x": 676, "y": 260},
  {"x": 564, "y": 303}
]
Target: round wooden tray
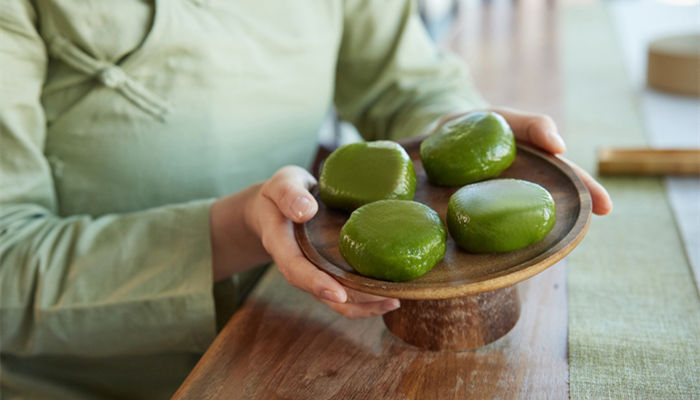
[{"x": 461, "y": 273}]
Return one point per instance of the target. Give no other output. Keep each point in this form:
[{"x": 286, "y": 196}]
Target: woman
[{"x": 133, "y": 137}]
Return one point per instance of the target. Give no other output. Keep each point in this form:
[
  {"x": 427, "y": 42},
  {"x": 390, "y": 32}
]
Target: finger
[
  {"x": 289, "y": 191},
  {"x": 536, "y": 129},
  {"x": 299, "y": 272},
  {"x": 357, "y": 297},
  {"x": 602, "y": 203},
  {"x": 355, "y": 311}
]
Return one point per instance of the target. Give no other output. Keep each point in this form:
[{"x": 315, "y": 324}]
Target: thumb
[{"x": 288, "y": 189}]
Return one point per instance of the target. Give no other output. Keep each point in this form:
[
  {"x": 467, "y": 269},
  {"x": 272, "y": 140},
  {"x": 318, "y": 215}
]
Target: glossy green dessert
[
  {"x": 500, "y": 215},
  {"x": 360, "y": 173},
  {"x": 393, "y": 240},
  {"x": 468, "y": 149}
]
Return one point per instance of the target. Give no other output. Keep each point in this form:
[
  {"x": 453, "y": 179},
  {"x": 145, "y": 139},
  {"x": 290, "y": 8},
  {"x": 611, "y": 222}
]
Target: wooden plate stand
[
  {"x": 460, "y": 323},
  {"x": 466, "y": 300}
]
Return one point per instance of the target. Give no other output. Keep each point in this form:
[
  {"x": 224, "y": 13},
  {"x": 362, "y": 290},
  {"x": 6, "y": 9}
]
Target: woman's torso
[{"x": 207, "y": 97}]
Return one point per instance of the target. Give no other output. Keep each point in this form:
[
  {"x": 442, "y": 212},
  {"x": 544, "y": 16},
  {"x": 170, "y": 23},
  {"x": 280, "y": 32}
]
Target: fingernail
[
  {"x": 301, "y": 206},
  {"x": 558, "y": 139},
  {"x": 391, "y": 305},
  {"x": 331, "y": 295}
]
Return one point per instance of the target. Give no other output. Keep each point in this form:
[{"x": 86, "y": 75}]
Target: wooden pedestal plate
[{"x": 467, "y": 300}]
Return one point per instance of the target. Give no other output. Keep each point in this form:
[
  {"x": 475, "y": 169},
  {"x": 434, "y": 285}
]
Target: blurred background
[{"x": 514, "y": 48}]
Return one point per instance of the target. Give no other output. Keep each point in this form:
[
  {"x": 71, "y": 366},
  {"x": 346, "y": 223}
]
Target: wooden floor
[{"x": 283, "y": 344}]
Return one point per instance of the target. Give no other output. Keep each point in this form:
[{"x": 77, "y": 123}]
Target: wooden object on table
[
  {"x": 479, "y": 320},
  {"x": 648, "y": 161},
  {"x": 319, "y": 237},
  {"x": 454, "y": 284},
  {"x": 673, "y": 64}
]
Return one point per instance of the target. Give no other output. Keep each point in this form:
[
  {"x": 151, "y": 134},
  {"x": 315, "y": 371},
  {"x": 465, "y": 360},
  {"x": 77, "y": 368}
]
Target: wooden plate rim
[{"x": 524, "y": 270}]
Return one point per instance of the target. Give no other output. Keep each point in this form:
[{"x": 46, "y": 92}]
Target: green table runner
[{"x": 634, "y": 312}]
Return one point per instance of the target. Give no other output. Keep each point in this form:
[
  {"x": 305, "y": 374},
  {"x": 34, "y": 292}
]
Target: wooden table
[{"x": 284, "y": 344}]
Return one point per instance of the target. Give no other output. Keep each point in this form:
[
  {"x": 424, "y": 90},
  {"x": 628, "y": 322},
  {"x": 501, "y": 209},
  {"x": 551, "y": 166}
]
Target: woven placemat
[{"x": 634, "y": 312}]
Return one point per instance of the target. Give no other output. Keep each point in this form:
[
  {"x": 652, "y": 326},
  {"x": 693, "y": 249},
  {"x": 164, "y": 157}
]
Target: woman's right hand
[{"x": 255, "y": 226}]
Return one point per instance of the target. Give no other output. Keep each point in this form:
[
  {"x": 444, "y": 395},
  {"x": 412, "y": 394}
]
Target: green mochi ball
[
  {"x": 360, "y": 173},
  {"x": 500, "y": 215},
  {"x": 393, "y": 240},
  {"x": 472, "y": 148}
]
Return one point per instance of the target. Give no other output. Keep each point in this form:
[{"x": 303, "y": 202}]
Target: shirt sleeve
[
  {"x": 392, "y": 82},
  {"x": 137, "y": 283}
]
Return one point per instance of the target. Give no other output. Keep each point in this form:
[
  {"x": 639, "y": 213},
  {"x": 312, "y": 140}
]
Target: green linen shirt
[{"x": 121, "y": 121}]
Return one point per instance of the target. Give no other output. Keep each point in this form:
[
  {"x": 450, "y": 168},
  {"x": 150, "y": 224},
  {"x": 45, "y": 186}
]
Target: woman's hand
[
  {"x": 255, "y": 226},
  {"x": 541, "y": 131}
]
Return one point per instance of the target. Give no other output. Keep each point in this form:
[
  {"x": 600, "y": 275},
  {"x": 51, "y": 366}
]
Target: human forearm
[
  {"x": 83, "y": 285},
  {"x": 235, "y": 246}
]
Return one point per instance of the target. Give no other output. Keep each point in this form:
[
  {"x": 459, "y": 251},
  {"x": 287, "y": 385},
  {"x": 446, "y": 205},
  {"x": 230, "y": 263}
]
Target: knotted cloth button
[{"x": 112, "y": 77}]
